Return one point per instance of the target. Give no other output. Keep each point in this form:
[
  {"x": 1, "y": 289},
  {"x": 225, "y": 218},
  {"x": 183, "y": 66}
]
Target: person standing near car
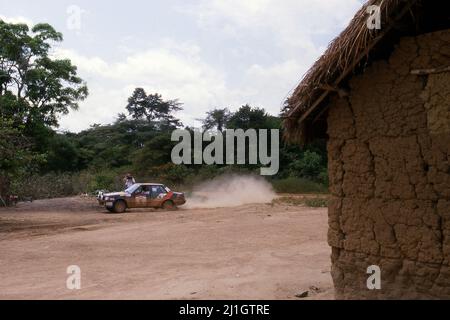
[{"x": 128, "y": 180}]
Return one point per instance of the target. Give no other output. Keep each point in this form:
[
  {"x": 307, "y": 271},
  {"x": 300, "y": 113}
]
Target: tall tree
[
  {"x": 33, "y": 86},
  {"x": 248, "y": 117},
  {"x": 154, "y": 109},
  {"x": 34, "y": 89},
  {"x": 216, "y": 118},
  {"x": 16, "y": 159}
]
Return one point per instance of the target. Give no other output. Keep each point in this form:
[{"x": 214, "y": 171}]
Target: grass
[
  {"x": 306, "y": 201},
  {"x": 298, "y": 185},
  {"x": 316, "y": 203}
]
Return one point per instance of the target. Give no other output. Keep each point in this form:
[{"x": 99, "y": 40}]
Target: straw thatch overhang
[{"x": 352, "y": 51}]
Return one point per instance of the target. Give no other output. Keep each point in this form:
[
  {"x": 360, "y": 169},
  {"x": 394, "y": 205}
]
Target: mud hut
[{"x": 382, "y": 99}]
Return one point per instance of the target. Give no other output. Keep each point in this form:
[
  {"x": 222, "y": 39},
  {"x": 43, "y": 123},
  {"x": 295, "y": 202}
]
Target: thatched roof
[{"x": 343, "y": 56}]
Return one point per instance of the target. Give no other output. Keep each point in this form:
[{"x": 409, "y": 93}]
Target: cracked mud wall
[{"x": 389, "y": 168}]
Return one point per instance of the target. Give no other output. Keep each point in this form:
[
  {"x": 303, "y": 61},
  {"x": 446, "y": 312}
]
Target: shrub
[
  {"x": 102, "y": 181},
  {"x": 54, "y": 185},
  {"x": 316, "y": 202},
  {"x": 173, "y": 173},
  {"x": 298, "y": 185},
  {"x": 50, "y": 185},
  {"x": 309, "y": 165},
  {"x": 323, "y": 177}
]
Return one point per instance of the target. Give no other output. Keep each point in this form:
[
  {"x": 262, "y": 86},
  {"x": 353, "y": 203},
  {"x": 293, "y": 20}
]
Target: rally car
[{"x": 142, "y": 195}]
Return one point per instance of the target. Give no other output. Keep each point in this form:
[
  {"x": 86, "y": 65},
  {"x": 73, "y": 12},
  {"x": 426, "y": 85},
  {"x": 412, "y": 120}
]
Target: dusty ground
[{"x": 262, "y": 251}]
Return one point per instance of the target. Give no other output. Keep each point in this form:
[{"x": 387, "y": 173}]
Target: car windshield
[
  {"x": 132, "y": 189},
  {"x": 167, "y": 189}
]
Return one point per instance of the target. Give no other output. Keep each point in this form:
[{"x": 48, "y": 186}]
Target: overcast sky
[{"x": 206, "y": 53}]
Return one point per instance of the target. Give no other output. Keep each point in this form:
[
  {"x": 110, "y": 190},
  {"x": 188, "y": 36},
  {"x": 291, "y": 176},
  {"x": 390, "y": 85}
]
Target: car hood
[{"x": 116, "y": 194}]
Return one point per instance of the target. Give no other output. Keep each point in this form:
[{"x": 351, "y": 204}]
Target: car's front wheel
[
  {"x": 119, "y": 206},
  {"x": 169, "y": 205}
]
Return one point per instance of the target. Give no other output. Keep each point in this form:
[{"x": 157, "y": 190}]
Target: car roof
[{"x": 150, "y": 184}]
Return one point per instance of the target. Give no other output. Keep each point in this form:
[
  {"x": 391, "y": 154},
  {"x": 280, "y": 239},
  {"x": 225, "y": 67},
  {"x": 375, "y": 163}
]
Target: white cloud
[
  {"x": 173, "y": 71},
  {"x": 291, "y": 23},
  {"x": 292, "y": 34},
  {"x": 271, "y": 85},
  {"x": 92, "y": 65},
  {"x": 175, "y": 75}
]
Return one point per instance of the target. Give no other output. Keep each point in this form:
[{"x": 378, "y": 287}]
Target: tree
[
  {"x": 217, "y": 118},
  {"x": 15, "y": 155},
  {"x": 252, "y": 118},
  {"x": 121, "y": 117},
  {"x": 113, "y": 145},
  {"x": 62, "y": 155},
  {"x": 33, "y": 86},
  {"x": 309, "y": 165},
  {"x": 156, "y": 152},
  {"x": 154, "y": 109},
  {"x": 34, "y": 90}
]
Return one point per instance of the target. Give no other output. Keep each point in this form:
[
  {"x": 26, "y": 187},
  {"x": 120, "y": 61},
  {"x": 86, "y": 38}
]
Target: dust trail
[{"x": 231, "y": 191}]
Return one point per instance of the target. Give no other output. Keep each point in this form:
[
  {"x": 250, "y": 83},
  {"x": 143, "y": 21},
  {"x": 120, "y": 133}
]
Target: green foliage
[
  {"x": 91, "y": 181},
  {"x": 144, "y": 148},
  {"x": 171, "y": 173},
  {"x": 111, "y": 146},
  {"x": 34, "y": 90},
  {"x": 153, "y": 108},
  {"x": 309, "y": 165},
  {"x": 217, "y": 118},
  {"x": 53, "y": 185},
  {"x": 323, "y": 176},
  {"x": 36, "y": 161},
  {"x": 252, "y": 118},
  {"x": 34, "y": 87},
  {"x": 63, "y": 155},
  {"x": 102, "y": 181},
  {"x": 50, "y": 185},
  {"x": 316, "y": 202},
  {"x": 298, "y": 185},
  {"x": 16, "y": 159},
  {"x": 301, "y": 200},
  {"x": 156, "y": 152}
]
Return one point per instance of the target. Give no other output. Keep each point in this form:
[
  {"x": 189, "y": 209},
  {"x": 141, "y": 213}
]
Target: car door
[
  {"x": 138, "y": 198},
  {"x": 157, "y": 195},
  {"x": 148, "y": 196}
]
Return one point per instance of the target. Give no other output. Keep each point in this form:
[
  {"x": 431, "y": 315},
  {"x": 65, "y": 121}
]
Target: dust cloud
[{"x": 231, "y": 191}]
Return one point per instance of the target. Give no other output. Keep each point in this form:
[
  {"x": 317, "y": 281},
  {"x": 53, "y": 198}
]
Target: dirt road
[{"x": 261, "y": 251}]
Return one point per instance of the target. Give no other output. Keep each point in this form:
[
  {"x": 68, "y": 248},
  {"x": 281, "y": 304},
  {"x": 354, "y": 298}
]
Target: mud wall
[{"x": 389, "y": 167}]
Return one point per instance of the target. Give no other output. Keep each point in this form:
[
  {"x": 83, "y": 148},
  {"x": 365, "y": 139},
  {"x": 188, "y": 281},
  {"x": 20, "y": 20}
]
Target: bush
[
  {"x": 102, "y": 181},
  {"x": 298, "y": 185},
  {"x": 50, "y": 185},
  {"x": 55, "y": 185},
  {"x": 316, "y": 202},
  {"x": 309, "y": 165},
  {"x": 323, "y": 177},
  {"x": 198, "y": 174},
  {"x": 173, "y": 173}
]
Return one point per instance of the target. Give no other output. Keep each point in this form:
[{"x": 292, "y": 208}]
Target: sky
[{"x": 206, "y": 53}]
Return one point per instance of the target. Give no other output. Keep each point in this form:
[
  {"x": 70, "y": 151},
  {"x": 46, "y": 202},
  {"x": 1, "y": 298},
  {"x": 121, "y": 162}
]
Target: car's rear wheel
[
  {"x": 119, "y": 206},
  {"x": 169, "y": 205}
]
